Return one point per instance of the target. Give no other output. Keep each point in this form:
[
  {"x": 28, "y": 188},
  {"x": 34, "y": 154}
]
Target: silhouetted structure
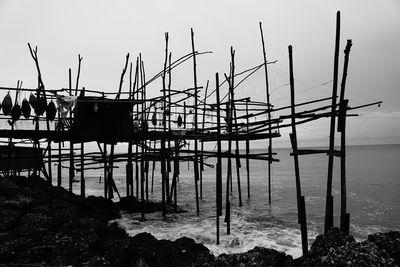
[{"x": 161, "y": 129}]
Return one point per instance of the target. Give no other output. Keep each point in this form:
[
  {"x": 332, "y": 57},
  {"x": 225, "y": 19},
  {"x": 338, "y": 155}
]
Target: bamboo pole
[
  {"x": 229, "y": 165},
  {"x": 219, "y": 160},
  {"x": 329, "y": 197},
  {"x": 301, "y": 211},
  {"x": 344, "y": 216},
  {"x": 247, "y": 152},
  {"x": 269, "y": 114},
  {"x": 143, "y": 129},
  {"x": 82, "y": 159},
  {"x": 105, "y": 163},
  {"x": 71, "y": 144},
  {"x": 129, "y": 165},
  {"x": 196, "y": 158},
  {"x": 233, "y": 114},
  {"x": 202, "y": 144},
  {"x": 164, "y": 189}
]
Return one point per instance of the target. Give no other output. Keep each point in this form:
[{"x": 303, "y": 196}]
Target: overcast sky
[{"x": 104, "y": 31}]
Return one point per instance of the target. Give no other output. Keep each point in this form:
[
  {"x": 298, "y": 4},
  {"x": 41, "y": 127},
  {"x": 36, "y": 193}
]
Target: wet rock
[
  {"x": 9, "y": 219},
  {"x": 62, "y": 212},
  {"x": 324, "y": 244},
  {"x": 20, "y": 201},
  {"x": 100, "y": 208},
  {"x": 359, "y": 254},
  {"x": 8, "y": 187},
  {"x": 389, "y": 242},
  {"x": 20, "y": 181},
  {"x": 11, "y": 249},
  {"x": 43, "y": 225},
  {"x": 34, "y": 225},
  {"x": 255, "y": 257}
]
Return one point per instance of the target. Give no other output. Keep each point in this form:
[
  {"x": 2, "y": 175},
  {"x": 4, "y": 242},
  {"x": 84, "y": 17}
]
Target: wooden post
[
  {"x": 344, "y": 216},
  {"x": 154, "y": 166},
  {"x": 78, "y": 74},
  {"x": 71, "y": 144},
  {"x": 129, "y": 165},
  {"x": 233, "y": 114},
  {"x": 247, "y": 151},
  {"x": 175, "y": 174},
  {"x": 59, "y": 167},
  {"x": 196, "y": 157},
  {"x": 83, "y": 169},
  {"x": 167, "y": 107},
  {"x": 202, "y": 144},
  {"x": 83, "y": 159},
  {"x": 329, "y": 197},
  {"x": 269, "y": 115},
  {"x": 301, "y": 211},
  {"x": 164, "y": 189},
  {"x": 110, "y": 178},
  {"x": 105, "y": 180},
  {"x": 143, "y": 130},
  {"x": 137, "y": 145},
  {"x": 229, "y": 159},
  {"x": 219, "y": 159}
]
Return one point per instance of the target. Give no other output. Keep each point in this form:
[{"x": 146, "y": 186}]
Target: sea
[{"x": 373, "y": 198}]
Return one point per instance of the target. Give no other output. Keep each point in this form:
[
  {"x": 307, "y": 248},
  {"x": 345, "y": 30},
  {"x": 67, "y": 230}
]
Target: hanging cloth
[
  {"x": 33, "y": 101},
  {"x": 7, "y": 104},
  {"x": 154, "y": 119},
  {"x": 51, "y": 111},
  {"x": 26, "y": 108},
  {"x": 41, "y": 106},
  {"x": 16, "y": 112},
  {"x": 65, "y": 103},
  {"x": 179, "y": 120}
]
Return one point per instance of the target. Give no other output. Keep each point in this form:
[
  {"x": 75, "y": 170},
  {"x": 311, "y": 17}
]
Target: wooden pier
[{"x": 170, "y": 130}]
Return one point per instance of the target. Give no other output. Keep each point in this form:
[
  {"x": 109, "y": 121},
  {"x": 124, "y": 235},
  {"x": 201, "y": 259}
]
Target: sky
[{"x": 103, "y": 32}]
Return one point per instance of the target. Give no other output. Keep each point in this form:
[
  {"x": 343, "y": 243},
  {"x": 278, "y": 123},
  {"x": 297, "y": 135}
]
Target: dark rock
[
  {"x": 34, "y": 225},
  {"x": 8, "y": 187},
  {"x": 255, "y": 257},
  {"x": 61, "y": 193},
  {"x": 324, "y": 243},
  {"x": 50, "y": 226},
  {"x": 101, "y": 208},
  {"x": 11, "y": 249},
  {"x": 357, "y": 254},
  {"x": 9, "y": 219},
  {"x": 19, "y": 201},
  {"x": 389, "y": 242},
  {"x": 20, "y": 181},
  {"x": 62, "y": 212}
]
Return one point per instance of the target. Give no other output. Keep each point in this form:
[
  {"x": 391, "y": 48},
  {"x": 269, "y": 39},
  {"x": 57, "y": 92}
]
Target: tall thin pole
[
  {"x": 196, "y": 165},
  {"x": 129, "y": 166},
  {"x": 269, "y": 116},
  {"x": 164, "y": 190},
  {"x": 247, "y": 151},
  {"x": 219, "y": 159},
  {"x": 329, "y": 197},
  {"x": 202, "y": 143},
  {"x": 344, "y": 216},
  {"x": 233, "y": 114},
  {"x": 293, "y": 138},
  {"x": 71, "y": 144}
]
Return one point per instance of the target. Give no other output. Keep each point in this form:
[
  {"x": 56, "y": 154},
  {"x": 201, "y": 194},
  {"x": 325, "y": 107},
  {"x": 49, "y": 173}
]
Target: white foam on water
[{"x": 244, "y": 235}]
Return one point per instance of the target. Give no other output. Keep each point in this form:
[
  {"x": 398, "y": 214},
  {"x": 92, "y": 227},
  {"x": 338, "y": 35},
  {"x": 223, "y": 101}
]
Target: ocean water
[{"x": 373, "y": 193}]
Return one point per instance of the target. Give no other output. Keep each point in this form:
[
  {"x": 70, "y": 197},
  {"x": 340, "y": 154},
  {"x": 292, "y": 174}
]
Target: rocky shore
[{"x": 42, "y": 225}]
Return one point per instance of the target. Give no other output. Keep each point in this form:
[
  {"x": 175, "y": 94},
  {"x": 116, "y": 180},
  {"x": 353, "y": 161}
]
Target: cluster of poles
[{"x": 165, "y": 127}]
